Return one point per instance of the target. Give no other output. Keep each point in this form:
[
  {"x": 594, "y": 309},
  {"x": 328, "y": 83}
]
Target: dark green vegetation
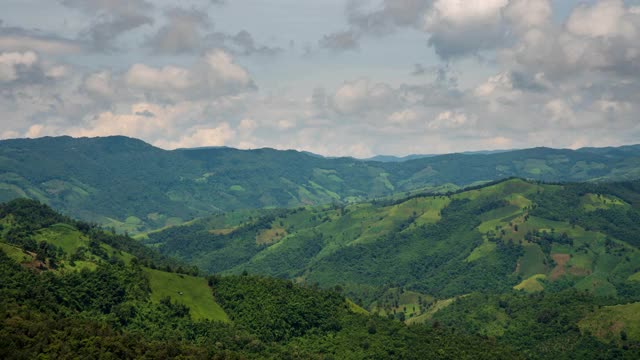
[
  {"x": 537, "y": 245},
  {"x": 132, "y": 186},
  {"x": 70, "y": 290}
]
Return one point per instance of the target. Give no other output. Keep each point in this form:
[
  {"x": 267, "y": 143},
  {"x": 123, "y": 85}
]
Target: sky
[{"x": 334, "y": 77}]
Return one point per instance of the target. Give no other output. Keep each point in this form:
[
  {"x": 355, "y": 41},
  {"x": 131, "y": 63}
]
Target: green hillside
[
  {"x": 513, "y": 234},
  {"x": 70, "y": 290},
  {"x": 132, "y": 186}
]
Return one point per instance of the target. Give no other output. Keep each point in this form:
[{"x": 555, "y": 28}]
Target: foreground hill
[
  {"x": 133, "y": 186},
  {"x": 69, "y": 290}
]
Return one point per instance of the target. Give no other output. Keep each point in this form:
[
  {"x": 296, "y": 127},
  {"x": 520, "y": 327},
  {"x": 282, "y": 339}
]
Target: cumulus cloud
[
  {"x": 216, "y": 74},
  {"x": 461, "y": 27},
  {"x": 600, "y": 37}
]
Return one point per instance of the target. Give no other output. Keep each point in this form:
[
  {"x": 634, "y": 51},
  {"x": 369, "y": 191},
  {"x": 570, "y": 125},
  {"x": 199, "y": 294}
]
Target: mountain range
[{"x": 132, "y": 186}]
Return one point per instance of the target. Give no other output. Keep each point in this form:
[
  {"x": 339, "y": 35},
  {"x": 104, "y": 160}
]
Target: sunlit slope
[{"x": 191, "y": 291}]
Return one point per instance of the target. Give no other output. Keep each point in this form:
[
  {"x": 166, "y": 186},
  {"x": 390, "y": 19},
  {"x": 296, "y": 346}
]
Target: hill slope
[
  {"x": 511, "y": 234},
  {"x": 134, "y": 186}
]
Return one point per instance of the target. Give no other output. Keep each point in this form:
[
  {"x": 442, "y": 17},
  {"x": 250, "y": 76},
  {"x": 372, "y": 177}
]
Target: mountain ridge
[{"x": 133, "y": 186}]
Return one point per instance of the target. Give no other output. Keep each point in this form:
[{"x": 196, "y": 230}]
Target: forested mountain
[
  {"x": 69, "y": 290},
  {"x": 576, "y": 245},
  {"x": 134, "y": 186}
]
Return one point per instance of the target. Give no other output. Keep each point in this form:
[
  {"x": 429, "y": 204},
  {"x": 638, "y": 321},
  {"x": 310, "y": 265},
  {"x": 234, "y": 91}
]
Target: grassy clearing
[
  {"x": 532, "y": 284},
  {"x": 191, "y": 291},
  {"x": 65, "y": 236},
  {"x": 608, "y": 322}
]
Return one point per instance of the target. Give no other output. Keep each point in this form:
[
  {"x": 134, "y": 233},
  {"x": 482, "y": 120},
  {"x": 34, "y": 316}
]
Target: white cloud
[
  {"x": 214, "y": 75},
  {"x": 216, "y": 136},
  {"x": 451, "y": 120}
]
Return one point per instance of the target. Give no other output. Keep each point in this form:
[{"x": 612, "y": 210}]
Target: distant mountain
[
  {"x": 133, "y": 186},
  {"x": 391, "y": 158}
]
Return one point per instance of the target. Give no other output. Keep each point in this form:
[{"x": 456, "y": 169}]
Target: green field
[{"x": 187, "y": 290}]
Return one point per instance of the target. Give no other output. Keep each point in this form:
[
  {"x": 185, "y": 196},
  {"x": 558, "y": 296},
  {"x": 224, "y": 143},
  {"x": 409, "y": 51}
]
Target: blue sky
[{"x": 335, "y": 77}]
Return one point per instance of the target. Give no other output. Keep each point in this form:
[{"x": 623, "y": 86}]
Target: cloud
[
  {"x": 110, "y": 19},
  {"x": 596, "y": 38},
  {"x": 361, "y": 95},
  {"x": 373, "y": 19},
  {"x": 215, "y": 74},
  {"x": 183, "y": 33},
  {"x": 386, "y": 17},
  {"x": 100, "y": 84},
  {"x": 340, "y": 41},
  {"x": 241, "y": 43},
  {"x": 403, "y": 117},
  {"x": 12, "y": 64},
  {"x": 216, "y": 136},
  {"x": 451, "y": 120},
  {"x": 459, "y": 28},
  {"x": 19, "y": 39}
]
